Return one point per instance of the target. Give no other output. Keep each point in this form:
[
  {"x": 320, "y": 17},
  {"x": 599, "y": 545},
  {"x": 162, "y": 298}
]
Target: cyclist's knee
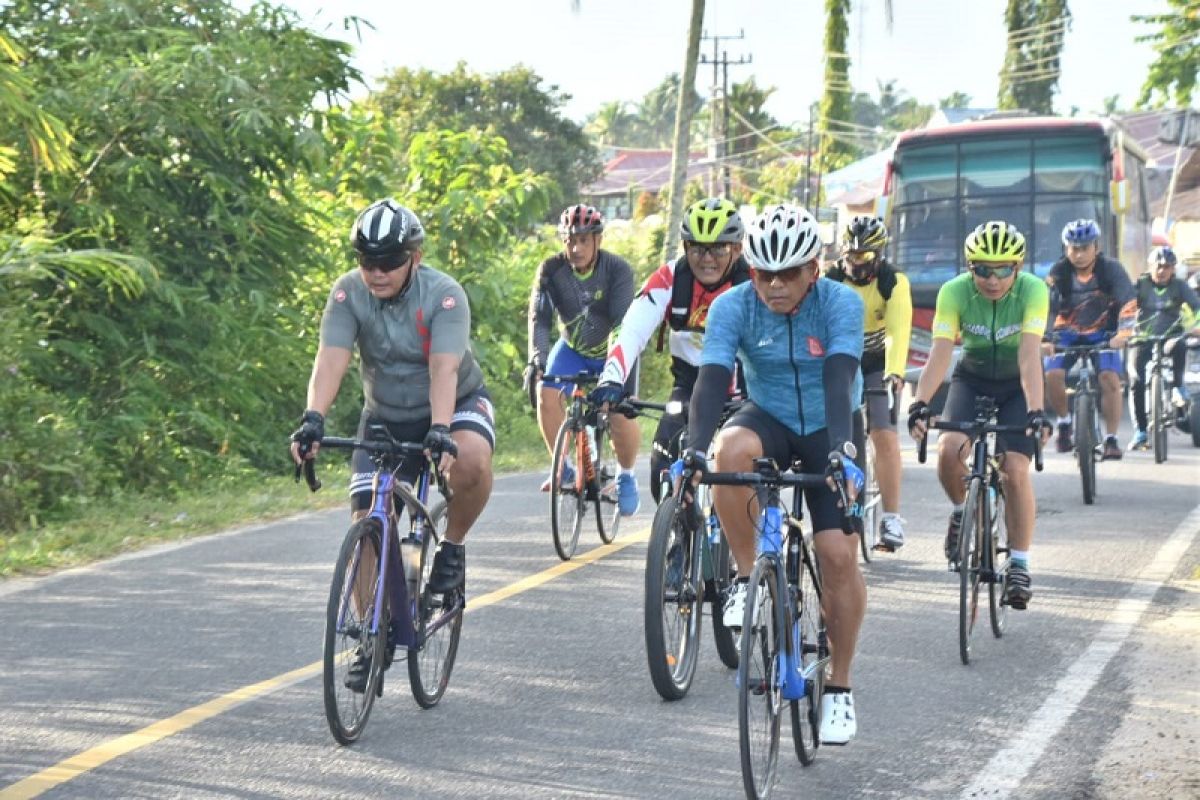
[
  {"x": 737, "y": 448},
  {"x": 836, "y": 553}
]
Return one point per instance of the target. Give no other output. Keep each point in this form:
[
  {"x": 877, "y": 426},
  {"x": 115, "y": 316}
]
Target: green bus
[{"x": 1038, "y": 173}]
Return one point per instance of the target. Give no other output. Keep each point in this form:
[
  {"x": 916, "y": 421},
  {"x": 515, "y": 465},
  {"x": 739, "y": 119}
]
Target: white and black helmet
[
  {"x": 386, "y": 229},
  {"x": 782, "y": 237}
]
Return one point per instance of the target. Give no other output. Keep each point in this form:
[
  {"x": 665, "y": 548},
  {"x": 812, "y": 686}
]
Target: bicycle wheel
[
  {"x": 673, "y": 600},
  {"x": 1158, "y": 418},
  {"x": 438, "y": 624},
  {"x": 806, "y": 713},
  {"x": 567, "y": 500},
  {"x": 969, "y": 540},
  {"x": 724, "y": 574},
  {"x": 1085, "y": 444},
  {"x": 608, "y": 512},
  {"x": 998, "y": 555},
  {"x": 348, "y": 618},
  {"x": 759, "y": 690},
  {"x": 870, "y": 501}
]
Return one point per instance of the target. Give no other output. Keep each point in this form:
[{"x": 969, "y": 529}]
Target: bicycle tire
[
  {"x": 1158, "y": 419},
  {"x": 566, "y": 502},
  {"x": 759, "y": 691},
  {"x": 724, "y": 574},
  {"x": 430, "y": 665},
  {"x": 1085, "y": 444},
  {"x": 969, "y": 539},
  {"x": 608, "y": 510},
  {"x": 673, "y": 601},
  {"x": 347, "y": 711},
  {"x": 871, "y": 500},
  {"x": 998, "y": 554},
  {"x": 806, "y": 713},
  {"x": 1194, "y": 420}
]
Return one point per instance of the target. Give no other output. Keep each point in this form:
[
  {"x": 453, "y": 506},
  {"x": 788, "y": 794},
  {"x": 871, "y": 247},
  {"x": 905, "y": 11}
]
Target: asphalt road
[{"x": 190, "y": 670}]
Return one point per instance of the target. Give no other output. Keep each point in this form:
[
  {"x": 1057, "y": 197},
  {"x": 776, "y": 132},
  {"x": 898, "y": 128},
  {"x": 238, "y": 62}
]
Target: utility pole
[
  {"x": 718, "y": 127},
  {"x": 808, "y": 153}
]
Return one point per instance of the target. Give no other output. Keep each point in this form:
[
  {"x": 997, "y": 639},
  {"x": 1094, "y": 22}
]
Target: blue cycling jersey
[{"x": 783, "y": 355}]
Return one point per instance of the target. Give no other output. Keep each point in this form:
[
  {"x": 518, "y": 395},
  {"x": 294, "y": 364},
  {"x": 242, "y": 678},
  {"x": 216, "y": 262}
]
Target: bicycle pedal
[{"x": 883, "y": 547}]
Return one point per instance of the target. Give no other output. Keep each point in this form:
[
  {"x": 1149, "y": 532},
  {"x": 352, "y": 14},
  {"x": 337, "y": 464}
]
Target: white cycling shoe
[
  {"x": 734, "y": 612},
  {"x": 837, "y": 718},
  {"x": 891, "y": 531}
]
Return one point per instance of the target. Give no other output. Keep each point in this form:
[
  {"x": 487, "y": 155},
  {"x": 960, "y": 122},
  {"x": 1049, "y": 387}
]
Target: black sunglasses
[
  {"x": 384, "y": 267},
  {"x": 719, "y": 250}
]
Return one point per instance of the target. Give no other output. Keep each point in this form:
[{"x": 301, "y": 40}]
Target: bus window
[
  {"x": 927, "y": 241},
  {"x": 927, "y": 173},
  {"x": 992, "y": 167},
  {"x": 1072, "y": 164},
  {"x": 1051, "y": 214},
  {"x": 1013, "y": 209}
]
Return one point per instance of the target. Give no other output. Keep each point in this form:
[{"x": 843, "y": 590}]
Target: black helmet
[{"x": 386, "y": 228}]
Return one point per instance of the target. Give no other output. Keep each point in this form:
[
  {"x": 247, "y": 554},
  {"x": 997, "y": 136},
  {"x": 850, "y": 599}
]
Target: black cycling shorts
[{"x": 1011, "y": 408}]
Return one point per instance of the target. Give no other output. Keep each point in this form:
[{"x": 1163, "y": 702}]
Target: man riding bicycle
[
  {"x": 799, "y": 338},
  {"x": 1092, "y": 301},
  {"x": 411, "y": 325},
  {"x": 1001, "y": 312},
  {"x": 678, "y": 296},
  {"x": 590, "y": 290},
  {"x": 887, "y": 327},
  {"x": 1166, "y": 305}
]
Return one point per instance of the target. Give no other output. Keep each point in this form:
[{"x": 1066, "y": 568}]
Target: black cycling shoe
[
  {"x": 1063, "y": 441},
  {"x": 360, "y": 668},
  {"x": 952, "y": 530},
  {"x": 449, "y": 568},
  {"x": 1018, "y": 590}
]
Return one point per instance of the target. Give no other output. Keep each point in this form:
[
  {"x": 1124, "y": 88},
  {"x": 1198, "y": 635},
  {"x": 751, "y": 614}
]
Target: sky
[{"x": 621, "y": 49}]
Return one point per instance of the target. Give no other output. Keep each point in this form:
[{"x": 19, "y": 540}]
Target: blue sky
[{"x": 620, "y": 49}]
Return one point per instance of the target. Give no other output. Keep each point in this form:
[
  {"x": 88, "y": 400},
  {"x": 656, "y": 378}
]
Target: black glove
[
  {"x": 1036, "y": 423},
  {"x": 439, "y": 441},
  {"x": 917, "y": 412},
  {"x": 311, "y": 430},
  {"x": 533, "y": 374},
  {"x": 607, "y": 392}
]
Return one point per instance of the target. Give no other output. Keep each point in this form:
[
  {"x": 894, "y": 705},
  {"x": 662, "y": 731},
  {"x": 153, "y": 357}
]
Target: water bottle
[
  {"x": 410, "y": 552},
  {"x": 591, "y": 439}
]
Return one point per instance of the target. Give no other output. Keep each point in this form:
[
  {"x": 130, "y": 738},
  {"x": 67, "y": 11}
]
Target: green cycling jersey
[{"x": 991, "y": 329}]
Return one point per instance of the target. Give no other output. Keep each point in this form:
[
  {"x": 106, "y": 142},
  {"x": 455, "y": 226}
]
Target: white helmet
[{"x": 782, "y": 237}]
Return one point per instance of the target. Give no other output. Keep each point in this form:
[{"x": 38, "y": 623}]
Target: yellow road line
[{"x": 97, "y": 756}]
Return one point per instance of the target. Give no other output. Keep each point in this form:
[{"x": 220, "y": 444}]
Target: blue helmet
[
  {"x": 1081, "y": 232},
  {"x": 1162, "y": 255}
]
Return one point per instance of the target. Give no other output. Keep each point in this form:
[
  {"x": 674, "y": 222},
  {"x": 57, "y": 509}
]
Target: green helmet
[
  {"x": 712, "y": 220},
  {"x": 995, "y": 241}
]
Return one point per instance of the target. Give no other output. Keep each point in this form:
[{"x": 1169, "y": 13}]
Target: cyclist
[
  {"x": 590, "y": 290},
  {"x": 678, "y": 296},
  {"x": 1092, "y": 301},
  {"x": 887, "y": 326},
  {"x": 799, "y": 338},
  {"x": 1165, "y": 304},
  {"x": 1001, "y": 313},
  {"x": 411, "y": 325}
]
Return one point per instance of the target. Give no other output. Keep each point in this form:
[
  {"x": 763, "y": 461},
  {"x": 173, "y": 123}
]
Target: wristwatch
[{"x": 849, "y": 450}]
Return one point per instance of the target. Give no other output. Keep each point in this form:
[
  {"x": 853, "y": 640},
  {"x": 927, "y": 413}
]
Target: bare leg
[
  {"x": 1110, "y": 401},
  {"x": 953, "y": 450},
  {"x": 626, "y": 437},
  {"x": 737, "y": 507},
  {"x": 471, "y": 481},
  {"x": 887, "y": 468},
  {"x": 551, "y": 413},
  {"x": 844, "y": 600},
  {"x": 1056, "y": 391}
]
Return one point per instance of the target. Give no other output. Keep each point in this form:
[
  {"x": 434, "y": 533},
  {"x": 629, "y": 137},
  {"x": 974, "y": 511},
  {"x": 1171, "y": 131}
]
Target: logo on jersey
[
  {"x": 340, "y": 296},
  {"x": 814, "y": 347},
  {"x": 448, "y": 302}
]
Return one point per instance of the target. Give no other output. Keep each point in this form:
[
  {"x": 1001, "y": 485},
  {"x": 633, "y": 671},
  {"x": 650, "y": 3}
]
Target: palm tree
[{"x": 683, "y": 124}]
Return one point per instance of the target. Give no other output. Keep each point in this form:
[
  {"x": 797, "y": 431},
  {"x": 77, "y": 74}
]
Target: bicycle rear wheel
[
  {"x": 567, "y": 499},
  {"x": 806, "y": 713},
  {"x": 724, "y": 574},
  {"x": 1085, "y": 444},
  {"x": 608, "y": 511},
  {"x": 673, "y": 600},
  {"x": 760, "y": 698},
  {"x": 1158, "y": 418},
  {"x": 870, "y": 501},
  {"x": 969, "y": 549},
  {"x": 998, "y": 547},
  {"x": 348, "y": 618},
  {"x": 438, "y": 623}
]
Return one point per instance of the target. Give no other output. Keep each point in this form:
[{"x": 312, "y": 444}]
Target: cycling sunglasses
[
  {"x": 384, "y": 267},
  {"x": 861, "y": 256},
  {"x": 719, "y": 250},
  {"x": 790, "y": 275},
  {"x": 984, "y": 270}
]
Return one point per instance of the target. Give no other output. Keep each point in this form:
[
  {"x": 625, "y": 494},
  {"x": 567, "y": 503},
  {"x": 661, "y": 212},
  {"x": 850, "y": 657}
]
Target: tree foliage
[
  {"x": 835, "y": 99},
  {"x": 1032, "y": 65},
  {"x": 1174, "y": 71}
]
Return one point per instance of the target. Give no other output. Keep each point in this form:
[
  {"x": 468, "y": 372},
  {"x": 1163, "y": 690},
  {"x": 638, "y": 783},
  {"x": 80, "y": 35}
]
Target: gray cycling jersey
[
  {"x": 395, "y": 338},
  {"x": 590, "y": 308}
]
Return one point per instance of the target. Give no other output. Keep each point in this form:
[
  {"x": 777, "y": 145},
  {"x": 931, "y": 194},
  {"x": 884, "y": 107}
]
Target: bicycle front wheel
[
  {"x": 814, "y": 654},
  {"x": 760, "y": 698},
  {"x": 348, "y": 618},
  {"x": 998, "y": 555},
  {"x": 1158, "y": 418},
  {"x": 969, "y": 541},
  {"x": 724, "y": 575},
  {"x": 1085, "y": 444},
  {"x": 567, "y": 495},
  {"x": 608, "y": 511},
  {"x": 438, "y": 623},
  {"x": 673, "y": 601},
  {"x": 870, "y": 535}
]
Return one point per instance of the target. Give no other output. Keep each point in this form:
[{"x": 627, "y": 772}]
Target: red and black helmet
[{"x": 580, "y": 219}]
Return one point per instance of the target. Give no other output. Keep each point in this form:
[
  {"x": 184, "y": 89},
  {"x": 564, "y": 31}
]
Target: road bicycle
[
  {"x": 1162, "y": 416},
  {"x": 582, "y": 470},
  {"x": 1085, "y": 419},
  {"x": 784, "y": 647},
  {"x": 983, "y": 538},
  {"x": 379, "y": 598},
  {"x": 872, "y": 502}
]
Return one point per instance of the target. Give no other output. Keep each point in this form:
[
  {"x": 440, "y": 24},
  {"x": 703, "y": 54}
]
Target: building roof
[
  {"x": 642, "y": 170},
  {"x": 1144, "y": 127}
]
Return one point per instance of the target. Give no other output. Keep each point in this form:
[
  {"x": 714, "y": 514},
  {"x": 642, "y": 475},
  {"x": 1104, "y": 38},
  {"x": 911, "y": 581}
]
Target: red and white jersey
[{"x": 651, "y": 308}]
